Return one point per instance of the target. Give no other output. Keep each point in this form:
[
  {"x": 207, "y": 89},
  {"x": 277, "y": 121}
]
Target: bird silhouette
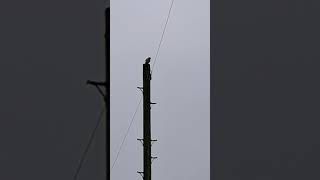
[{"x": 148, "y": 60}]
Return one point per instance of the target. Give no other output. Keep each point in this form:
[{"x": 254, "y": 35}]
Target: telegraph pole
[
  {"x": 146, "y": 122},
  {"x": 146, "y": 141},
  {"x": 107, "y": 46}
]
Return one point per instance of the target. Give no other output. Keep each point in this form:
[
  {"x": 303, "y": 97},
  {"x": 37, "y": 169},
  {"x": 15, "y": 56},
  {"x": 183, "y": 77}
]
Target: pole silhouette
[
  {"x": 146, "y": 141},
  {"x": 146, "y": 122},
  {"x": 107, "y": 99}
]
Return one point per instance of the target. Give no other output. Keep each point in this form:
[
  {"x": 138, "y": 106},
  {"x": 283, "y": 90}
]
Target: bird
[{"x": 148, "y": 60}]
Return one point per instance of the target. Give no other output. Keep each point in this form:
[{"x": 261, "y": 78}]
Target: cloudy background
[
  {"x": 180, "y": 87},
  {"x": 49, "y": 49}
]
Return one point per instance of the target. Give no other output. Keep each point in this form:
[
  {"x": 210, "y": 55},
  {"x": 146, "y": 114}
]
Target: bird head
[{"x": 148, "y": 60}]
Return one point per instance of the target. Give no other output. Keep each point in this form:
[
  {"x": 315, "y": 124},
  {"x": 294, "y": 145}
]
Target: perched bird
[{"x": 148, "y": 60}]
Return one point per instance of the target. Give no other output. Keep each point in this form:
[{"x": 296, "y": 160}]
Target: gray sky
[
  {"x": 180, "y": 87},
  {"x": 48, "y": 50}
]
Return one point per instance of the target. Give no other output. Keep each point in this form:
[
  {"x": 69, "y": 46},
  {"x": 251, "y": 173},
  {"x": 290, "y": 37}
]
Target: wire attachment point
[
  {"x": 141, "y": 174},
  {"x": 153, "y": 158},
  {"x": 141, "y": 140},
  {"x": 141, "y": 89}
]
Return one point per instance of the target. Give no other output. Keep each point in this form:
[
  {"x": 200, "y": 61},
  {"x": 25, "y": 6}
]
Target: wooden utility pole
[
  {"x": 107, "y": 46},
  {"x": 146, "y": 141},
  {"x": 146, "y": 122}
]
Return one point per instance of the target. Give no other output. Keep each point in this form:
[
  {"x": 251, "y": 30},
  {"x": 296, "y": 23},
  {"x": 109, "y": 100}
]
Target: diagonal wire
[
  {"x": 157, "y": 53},
  {"x": 75, "y": 177},
  {"x": 161, "y": 39},
  {"x": 132, "y": 119}
]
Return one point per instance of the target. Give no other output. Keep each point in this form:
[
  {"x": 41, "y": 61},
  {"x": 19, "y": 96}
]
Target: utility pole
[
  {"x": 107, "y": 54},
  {"x": 146, "y": 141},
  {"x": 106, "y": 84}
]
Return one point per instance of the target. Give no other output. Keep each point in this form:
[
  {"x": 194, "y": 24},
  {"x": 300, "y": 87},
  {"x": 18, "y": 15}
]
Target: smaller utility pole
[{"x": 146, "y": 141}]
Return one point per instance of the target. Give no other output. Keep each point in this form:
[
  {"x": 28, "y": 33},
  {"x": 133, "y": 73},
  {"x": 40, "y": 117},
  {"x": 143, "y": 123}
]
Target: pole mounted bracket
[
  {"x": 152, "y": 140},
  {"x": 141, "y": 173},
  {"x": 98, "y": 86},
  {"x": 152, "y": 103},
  {"x": 153, "y": 158},
  {"x": 141, "y": 140},
  {"x": 141, "y": 89}
]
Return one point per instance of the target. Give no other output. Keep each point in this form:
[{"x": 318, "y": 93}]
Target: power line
[
  {"x": 126, "y": 134},
  {"x": 161, "y": 39},
  {"x": 75, "y": 177}
]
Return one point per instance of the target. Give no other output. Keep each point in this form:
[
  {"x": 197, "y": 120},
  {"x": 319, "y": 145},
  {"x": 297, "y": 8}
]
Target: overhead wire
[
  {"x": 156, "y": 56},
  {"x": 162, "y": 35},
  {"x": 133, "y": 117},
  {"x": 92, "y": 135},
  {"x": 126, "y": 134}
]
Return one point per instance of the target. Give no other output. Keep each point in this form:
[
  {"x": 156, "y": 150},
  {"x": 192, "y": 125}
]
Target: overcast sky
[
  {"x": 180, "y": 87},
  {"x": 266, "y": 96},
  {"x": 49, "y": 49}
]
